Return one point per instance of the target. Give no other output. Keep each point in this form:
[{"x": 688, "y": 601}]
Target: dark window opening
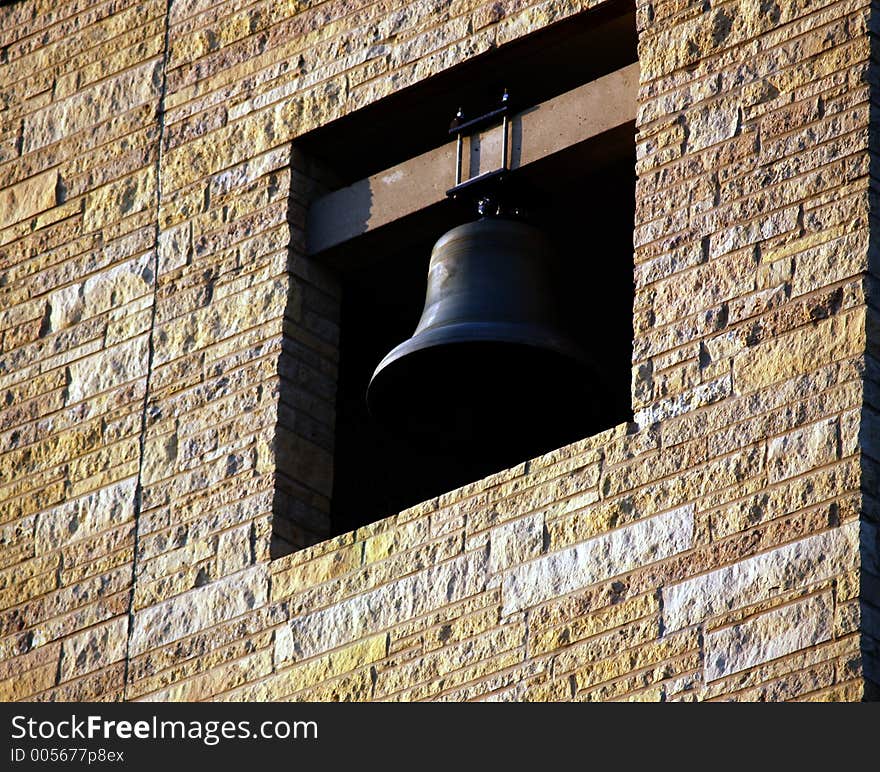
[
  {"x": 582, "y": 197},
  {"x": 586, "y": 206}
]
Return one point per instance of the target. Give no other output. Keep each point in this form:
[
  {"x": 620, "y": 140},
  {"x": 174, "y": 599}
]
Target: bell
[{"x": 490, "y": 363}]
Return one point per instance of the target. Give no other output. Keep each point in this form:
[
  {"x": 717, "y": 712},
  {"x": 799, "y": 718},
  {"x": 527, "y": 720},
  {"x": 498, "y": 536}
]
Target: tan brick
[
  {"x": 107, "y": 369},
  {"x": 571, "y": 630},
  {"x": 809, "y": 560},
  {"x": 802, "y": 450},
  {"x": 404, "y": 598},
  {"x": 119, "y": 199},
  {"x": 28, "y": 684},
  {"x": 94, "y": 648},
  {"x": 198, "y": 609},
  {"x": 93, "y": 105},
  {"x": 800, "y": 351},
  {"x": 27, "y": 198},
  {"x": 85, "y": 517},
  {"x": 515, "y": 542},
  {"x": 344, "y": 660},
  {"x": 598, "y": 559},
  {"x": 314, "y": 572},
  {"x": 230, "y": 675},
  {"x": 769, "y": 636}
]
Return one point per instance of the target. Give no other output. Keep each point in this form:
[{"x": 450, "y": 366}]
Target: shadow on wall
[{"x": 869, "y": 431}]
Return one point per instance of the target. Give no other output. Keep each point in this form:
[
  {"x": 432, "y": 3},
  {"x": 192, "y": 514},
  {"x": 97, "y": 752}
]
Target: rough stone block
[
  {"x": 353, "y": 618},
  {"x": 29, "y": 683},
  {"x": 802, "y": 450},
  {"x": 830, "y": 262},
  {"x": 712, "y": 123},
  {"x": 598, "y": 559},
  {"x": 199, "y": 609},
  {"x": 800, "y": 351},
  {"x": 85, "y": 517},
  {"x": 515, "y": 542},
  {"x": 91, "y": 106},
  {"x": 336, "y": 663},
  {"x": 672, "y": 407},
  {"x": 119, "y": 199},
  {"x": 94, "y": 649},
  {"x": 769, "y": 636},
  {"x": 107, "y": 369},
  {"x": 101, "y": 292},
  {"x": 234, "y": 550},
  {"x": 221, "y": 319},
  {"x": 27, "y": 198},
  {"x": 568, "y": 626},
  {"x": 800, "y": 563}
]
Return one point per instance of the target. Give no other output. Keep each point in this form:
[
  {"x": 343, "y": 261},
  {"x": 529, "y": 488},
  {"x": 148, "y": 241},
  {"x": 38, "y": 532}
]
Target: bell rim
[{"x": 508, "y": 334}]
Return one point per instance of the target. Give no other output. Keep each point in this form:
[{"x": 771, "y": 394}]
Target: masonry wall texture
[{"x": 169, "y": 358}]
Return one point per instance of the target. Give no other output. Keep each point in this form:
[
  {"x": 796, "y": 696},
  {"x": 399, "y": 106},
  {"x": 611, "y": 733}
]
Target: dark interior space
[{"x": 583, "y": 199}]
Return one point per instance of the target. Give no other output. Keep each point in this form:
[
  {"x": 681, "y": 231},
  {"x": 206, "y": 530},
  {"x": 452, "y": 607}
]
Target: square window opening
[{"x": 337, "y": 468}]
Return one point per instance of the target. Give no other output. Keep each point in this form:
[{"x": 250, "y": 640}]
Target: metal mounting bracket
[{"x": 462, "y": 128}]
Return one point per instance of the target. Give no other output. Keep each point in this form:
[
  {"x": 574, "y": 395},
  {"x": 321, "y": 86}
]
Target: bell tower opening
[
  {"x": 587, "y": 212},
  {"x": 369, "y": 204}
]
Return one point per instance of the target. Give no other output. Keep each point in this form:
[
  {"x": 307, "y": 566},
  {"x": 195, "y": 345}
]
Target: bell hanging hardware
[
  {"x": 462, "y": 128},
  {"x": 491, "y": 356}
]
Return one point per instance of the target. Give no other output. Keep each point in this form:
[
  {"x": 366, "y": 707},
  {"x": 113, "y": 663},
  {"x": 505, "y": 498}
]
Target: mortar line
[{"x": 139, "y": 490}]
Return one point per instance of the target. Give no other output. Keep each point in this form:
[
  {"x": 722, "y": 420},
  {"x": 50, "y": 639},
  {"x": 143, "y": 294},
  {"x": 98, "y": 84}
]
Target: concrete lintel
[{"x": 540, "y": 131}]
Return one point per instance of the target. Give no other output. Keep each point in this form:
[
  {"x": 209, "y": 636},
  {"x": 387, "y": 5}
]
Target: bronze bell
[{"x": 490, "y": 362}]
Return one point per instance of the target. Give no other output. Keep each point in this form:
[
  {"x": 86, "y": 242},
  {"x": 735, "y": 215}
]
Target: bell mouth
[
  {"x": 473, "y": 397},
  {"x": 485, "y": 333}
]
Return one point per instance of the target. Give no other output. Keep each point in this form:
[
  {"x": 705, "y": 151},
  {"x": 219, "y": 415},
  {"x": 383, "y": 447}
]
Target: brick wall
[
  {"x": 169, "y": 363},
  {"x": 82, "y": 84}
]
